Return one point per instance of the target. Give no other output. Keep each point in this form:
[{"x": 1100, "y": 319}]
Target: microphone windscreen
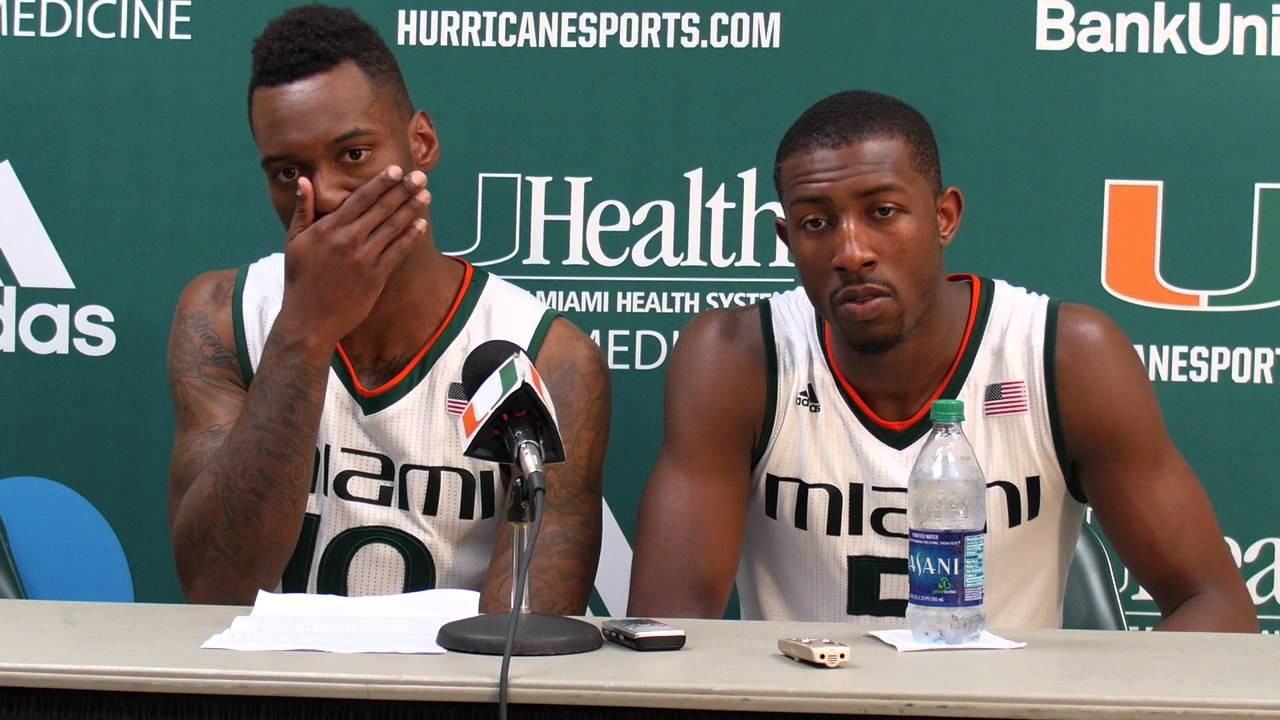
[{"x": 487, "y": 357}]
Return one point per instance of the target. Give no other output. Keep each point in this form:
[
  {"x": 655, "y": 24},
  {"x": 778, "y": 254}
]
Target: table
[{"x": 59, "y": 647}]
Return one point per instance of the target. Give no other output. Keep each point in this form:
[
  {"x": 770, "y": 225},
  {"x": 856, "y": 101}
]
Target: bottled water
[{"x": 946, "y": 519}]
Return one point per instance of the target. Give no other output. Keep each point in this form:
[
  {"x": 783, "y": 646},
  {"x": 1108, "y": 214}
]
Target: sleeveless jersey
[
  {"x": 394, "y": 506},
  {"x": 826, "y": 531}
]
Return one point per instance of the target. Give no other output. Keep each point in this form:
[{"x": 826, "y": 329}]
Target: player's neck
[
  {"x": 415, "y": 301},
  {"x": 897, "y": 383}
]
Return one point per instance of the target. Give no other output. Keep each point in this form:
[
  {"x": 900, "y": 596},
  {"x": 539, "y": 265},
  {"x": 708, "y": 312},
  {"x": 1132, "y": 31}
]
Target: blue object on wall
[{"x": 63, "y": 547}]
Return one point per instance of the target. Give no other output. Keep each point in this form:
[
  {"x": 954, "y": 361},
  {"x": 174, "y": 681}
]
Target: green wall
[{"x": 136, "y": 156}]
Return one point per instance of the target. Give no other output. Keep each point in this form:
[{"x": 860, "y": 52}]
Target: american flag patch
[
  {"x": 456, "y": 403},
  {"x": 1006, "y": 398}
]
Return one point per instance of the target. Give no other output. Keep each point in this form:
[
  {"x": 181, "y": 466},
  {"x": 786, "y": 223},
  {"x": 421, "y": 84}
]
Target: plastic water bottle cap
[{"x": 947, "y": 411}]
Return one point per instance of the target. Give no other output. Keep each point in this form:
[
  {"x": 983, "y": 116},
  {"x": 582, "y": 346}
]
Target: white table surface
[{"x": 724, "y": 666}]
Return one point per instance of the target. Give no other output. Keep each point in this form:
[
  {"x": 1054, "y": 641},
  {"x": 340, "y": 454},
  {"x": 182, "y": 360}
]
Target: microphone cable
[{"x": 539, "y": 489}]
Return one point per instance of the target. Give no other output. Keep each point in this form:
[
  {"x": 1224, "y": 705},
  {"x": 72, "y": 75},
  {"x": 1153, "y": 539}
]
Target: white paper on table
[
  {"x": 405, "y": 623},
  {"x": 425, "y": 603},
  {"x": 901, "y": 639}
]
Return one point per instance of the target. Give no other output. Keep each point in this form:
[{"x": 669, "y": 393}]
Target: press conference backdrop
[{"x": 615, "y": 158}]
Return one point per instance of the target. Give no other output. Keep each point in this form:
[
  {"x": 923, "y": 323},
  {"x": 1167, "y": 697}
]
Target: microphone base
[{"x": 536, "y": 634}]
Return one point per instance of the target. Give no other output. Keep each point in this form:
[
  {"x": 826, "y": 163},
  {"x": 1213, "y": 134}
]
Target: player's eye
[
  {"x": 287, "y": 175},
  {"x": 813, "y": 224},
  {"x": 355, "y": 154}
]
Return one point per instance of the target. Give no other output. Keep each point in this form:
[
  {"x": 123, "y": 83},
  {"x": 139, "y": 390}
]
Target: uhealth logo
[
  {"x": 591, "y": 232},
  {"x": 41, "y": 328},
  {"x": 1131, "y": 251}
]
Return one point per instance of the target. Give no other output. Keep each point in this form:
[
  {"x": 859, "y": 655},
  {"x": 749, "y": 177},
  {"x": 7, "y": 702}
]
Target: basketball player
[
  {"x": 791, "y": 426},
  {"x": 316, "y": 390}
]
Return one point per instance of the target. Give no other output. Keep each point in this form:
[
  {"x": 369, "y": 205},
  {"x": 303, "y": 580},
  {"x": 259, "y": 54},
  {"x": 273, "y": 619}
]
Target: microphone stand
[{"x": 536, "y": 633}]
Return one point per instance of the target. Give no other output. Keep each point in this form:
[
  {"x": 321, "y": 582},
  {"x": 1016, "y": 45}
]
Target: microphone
[{"x": 510, "y": 417}]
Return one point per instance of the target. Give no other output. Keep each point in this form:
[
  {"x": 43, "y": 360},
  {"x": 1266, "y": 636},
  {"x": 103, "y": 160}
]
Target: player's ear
[
  {"x": 950, "y": 208},
  {"x": 780, "y": 227},
  {"x": 424, "y": 144}
]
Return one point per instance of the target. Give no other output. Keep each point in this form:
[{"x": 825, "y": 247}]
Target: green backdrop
[{"x": 640, "y": 174}]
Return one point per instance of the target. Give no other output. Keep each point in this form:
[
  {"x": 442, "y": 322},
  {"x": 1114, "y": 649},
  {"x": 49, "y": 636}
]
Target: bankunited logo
[
  {"x": 42, "y": 328},
  {"x": 1131, "y": 252},
  {"x": 1204, "y": 29}
]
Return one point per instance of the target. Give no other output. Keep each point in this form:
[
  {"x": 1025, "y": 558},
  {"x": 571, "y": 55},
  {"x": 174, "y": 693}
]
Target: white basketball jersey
[
  {"x": 394, "y": 506},
  {"x": 826, "y": 532}
]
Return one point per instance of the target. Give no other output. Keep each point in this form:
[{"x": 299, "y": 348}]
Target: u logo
[{"x": 1131, "y": 234}]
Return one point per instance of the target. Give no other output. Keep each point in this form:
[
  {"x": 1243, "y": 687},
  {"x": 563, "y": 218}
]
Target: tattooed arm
[
  {"x": 241, "y": 458},
  {"x": 564, "y": 560},
  {"x": 238, "y": 479}
]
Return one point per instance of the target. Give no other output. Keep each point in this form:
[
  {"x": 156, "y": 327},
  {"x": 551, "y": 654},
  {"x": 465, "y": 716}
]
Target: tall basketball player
[
  {"x": 317, "y": 448},
  {"x": 791, "y": 426}
]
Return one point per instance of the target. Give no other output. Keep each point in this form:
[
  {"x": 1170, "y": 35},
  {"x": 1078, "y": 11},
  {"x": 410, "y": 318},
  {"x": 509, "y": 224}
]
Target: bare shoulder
[
  {"x": 578, "y": 378},
  {"x": 717, "y": 380},
  {"x": 720, "y": 350},
  {"x": 202, "y": 340},
  {"x": 210, "y": 291},
  {"x": 734, "y": 329},
  {"x": 568, "y": 352},
  {"x": 1092, "y": 351},
  {"x": 206, "y": 302},
  {"x": 1107, "y": 403},
  {"x": 1083, "y": 329}
]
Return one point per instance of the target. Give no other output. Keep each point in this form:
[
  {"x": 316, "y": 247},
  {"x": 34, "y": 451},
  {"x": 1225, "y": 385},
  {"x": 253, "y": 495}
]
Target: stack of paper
[
  {"x": 902, "y": 640},
  {"x": 405, "y": 623}
]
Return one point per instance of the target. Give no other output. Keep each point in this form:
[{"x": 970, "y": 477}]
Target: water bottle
[{"x": 946, "y": 520}]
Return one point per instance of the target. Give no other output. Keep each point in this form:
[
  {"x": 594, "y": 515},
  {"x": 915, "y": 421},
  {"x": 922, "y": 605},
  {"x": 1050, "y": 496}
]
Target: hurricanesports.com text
[{"x": 588, "y": 29}]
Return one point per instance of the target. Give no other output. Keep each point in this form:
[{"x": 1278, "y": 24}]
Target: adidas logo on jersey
[{"x": 809, "y": 399}]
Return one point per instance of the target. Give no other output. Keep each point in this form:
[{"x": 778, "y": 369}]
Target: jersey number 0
[{"x": 336, "y": 559}]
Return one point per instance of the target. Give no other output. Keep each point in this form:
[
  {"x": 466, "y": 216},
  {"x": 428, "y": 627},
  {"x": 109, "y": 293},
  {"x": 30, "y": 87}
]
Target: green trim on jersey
[
  {"x": 771, "y": 384},
  {"x": 237, "y": 323},
  {"x": 902, "y": 439},
  {"x": 1051, "y": 402},
  {"x": 596, "y": 604},
  {"x": 540, "y": 332},
  {"x": 371, "y": 405}
]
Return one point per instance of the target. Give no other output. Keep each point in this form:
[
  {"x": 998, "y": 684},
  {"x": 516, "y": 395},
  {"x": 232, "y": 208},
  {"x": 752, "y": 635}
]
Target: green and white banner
[{"x": 615, "y": 158}]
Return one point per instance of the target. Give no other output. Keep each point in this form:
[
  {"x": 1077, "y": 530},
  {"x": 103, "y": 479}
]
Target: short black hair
[
  {"x": 853, "y": 116},
  {"x": 311, "y": 39}
]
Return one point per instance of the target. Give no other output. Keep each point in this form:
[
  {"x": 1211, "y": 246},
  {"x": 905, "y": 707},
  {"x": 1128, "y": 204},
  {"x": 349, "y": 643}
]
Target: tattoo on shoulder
[
  {"x": 223, "y": 289},
  {"x": 197, "y": 346},
  {"x": 207, "y": 341}
]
